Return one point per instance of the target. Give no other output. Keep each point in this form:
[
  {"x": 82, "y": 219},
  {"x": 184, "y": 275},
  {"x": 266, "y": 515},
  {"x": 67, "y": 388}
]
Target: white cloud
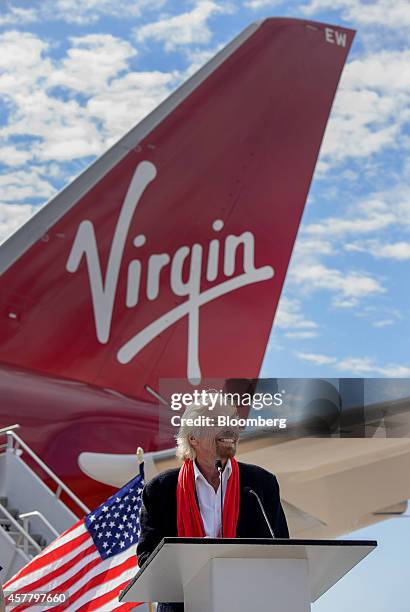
[
  {"x": 12, "y": 217},
  {"x": 348, "y": 287},
  {"x": 384, "y": 323},
  {"x": 386, "y": 13},
  {"x": 314, "y": 245},
  {"x": 316, "y": 358},
  {"x": 370, "y": 112},
  {"x": 91, "y": 62},
  {"x": 261, "y": 4},
  {"x": 380, "y": 316},
  {"x": 88, "y": 11},
  {"x": 399, "y": 251},
  {"x": 24, "y": 184},
  {"x": 21, "y": 53},
  {"x": 372, "y": 213},
  {"x": 79, "y": 12},
  {"x": 18, "y": 15},
  {"x": 370, "y": 109},
  {"x": 301, "y": 335},
  {"x": 365, "y": 221},
  {"x": 365, "y": 366},
  {"x": 50, "y": 121},
  {"x": 112, "y": 99},
  {"x": 129, "y": 99},
  {"x": 63, "y": 129},
  {"x": 184, "y": 29},
  {"x": 13, "y": 156},
  {"x": 289, "y": 316},
  {"x": 308, "y": 271},
  {"x": 384, "y": 71},
  {"x": 356, "y": 366}
]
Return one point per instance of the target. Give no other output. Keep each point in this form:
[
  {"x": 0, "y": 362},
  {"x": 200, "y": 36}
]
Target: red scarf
[{"x": 189, "y": 520}]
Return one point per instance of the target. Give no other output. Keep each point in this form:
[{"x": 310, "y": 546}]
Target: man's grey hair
[{"x": 184, "y": 449}]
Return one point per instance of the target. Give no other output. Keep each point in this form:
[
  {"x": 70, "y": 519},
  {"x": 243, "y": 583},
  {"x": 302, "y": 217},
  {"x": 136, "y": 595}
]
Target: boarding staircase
[{"x": 31, "y": 514}]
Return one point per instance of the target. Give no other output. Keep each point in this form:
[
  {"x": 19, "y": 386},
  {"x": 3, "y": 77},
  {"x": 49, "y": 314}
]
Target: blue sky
[{"x": 75, "y": 75}]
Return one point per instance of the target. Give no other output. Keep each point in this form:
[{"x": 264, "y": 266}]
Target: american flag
[{"x": 92, "y": 561}]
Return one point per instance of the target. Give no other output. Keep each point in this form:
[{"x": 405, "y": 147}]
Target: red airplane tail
[{"x": 166, "y": 258}]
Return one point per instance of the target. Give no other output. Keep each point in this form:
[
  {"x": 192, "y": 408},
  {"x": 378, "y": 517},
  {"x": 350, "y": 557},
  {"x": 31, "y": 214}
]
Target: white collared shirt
[{"x": 209, "y": 501}]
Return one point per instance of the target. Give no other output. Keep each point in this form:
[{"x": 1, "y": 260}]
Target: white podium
[{"x": 244, "y": 574}]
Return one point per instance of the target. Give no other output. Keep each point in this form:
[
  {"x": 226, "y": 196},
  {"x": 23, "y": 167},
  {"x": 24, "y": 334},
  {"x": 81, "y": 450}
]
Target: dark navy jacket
[{"x": 158, "y": 516}]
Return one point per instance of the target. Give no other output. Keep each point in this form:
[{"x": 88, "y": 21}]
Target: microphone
[
  {"x": 218, "y": 465},
  {"x": 252, "y": 492}
]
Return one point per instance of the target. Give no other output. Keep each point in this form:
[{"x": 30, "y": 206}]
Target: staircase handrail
[
  {"x": 26, "y": 515},
  {"x": 3, "y": 430},
  {"x": 27, "y": 537},
  {"x": 13, "y": 437}
]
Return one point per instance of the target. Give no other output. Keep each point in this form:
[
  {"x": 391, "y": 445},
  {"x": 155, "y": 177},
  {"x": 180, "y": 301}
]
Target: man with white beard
[{"x": 186, "y": 501}]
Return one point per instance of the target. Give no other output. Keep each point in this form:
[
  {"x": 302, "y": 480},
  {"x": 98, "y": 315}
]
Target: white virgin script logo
[{"x": 104, "y": 290}]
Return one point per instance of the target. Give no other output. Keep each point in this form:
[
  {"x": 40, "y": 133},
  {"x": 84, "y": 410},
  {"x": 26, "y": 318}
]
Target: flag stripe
[
  {"x": 83, "y": 574},
  {"x": 64, "y": 586},
  {"x": 102, "y": 573},
  {"x": 68, "y": 560},
  {"x": 98, "y": 571},
  {"x": 58, "y": 584},
  {"x": 108, "y": 601},
  {"x": 113, "y": 581},
  {"x": 71, "y": 533},
  {"x": 114, "y": 604},
  {"x": 44, "y": 559}
]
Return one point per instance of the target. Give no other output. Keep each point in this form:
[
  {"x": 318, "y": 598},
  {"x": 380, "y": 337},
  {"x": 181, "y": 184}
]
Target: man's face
[{"x": 217, "y": 442}]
